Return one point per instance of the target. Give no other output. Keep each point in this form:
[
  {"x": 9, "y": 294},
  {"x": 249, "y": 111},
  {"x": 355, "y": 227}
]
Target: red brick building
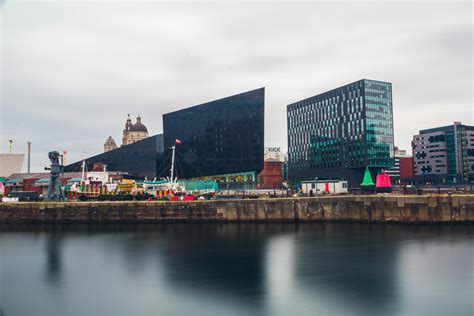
[
  {"x": 271, "y": 177},
  {"x": 33, "y": 182},
  {"x": 406, "y": 168}
]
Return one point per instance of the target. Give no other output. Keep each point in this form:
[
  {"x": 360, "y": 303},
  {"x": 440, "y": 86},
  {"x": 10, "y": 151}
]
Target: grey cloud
[{"x": 71, "y": 72}]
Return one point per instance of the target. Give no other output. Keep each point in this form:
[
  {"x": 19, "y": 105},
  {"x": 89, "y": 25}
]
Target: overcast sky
[{"x": 71, "y": 71}]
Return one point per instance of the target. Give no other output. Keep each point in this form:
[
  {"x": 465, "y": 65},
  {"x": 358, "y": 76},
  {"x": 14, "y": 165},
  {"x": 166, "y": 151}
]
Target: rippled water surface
[{"x": 237, "y": 269}]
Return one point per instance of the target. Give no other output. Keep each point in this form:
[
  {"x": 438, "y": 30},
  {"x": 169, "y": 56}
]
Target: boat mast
[
  {"x": 172, "y": 163},
  {"x": 83, "y": 168}
]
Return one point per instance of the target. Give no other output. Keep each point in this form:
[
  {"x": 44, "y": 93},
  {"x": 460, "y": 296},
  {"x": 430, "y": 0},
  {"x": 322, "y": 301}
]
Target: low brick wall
[{"x": 403, "y": 209}]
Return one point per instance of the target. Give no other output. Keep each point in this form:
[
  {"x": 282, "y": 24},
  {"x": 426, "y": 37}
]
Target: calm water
[{"x": 246, "y": 269}]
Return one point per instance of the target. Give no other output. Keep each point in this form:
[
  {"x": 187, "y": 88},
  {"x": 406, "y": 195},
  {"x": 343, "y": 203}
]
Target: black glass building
[
  {"x": 338, "y": 133},
  {"x": 143, "y": 158},
  {"x": 222, "y": 138}
]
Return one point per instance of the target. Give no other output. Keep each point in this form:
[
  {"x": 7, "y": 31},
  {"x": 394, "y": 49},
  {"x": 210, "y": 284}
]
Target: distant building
[
  {"x": 34, "y": 182},
  {"x": 444, "y": 155},
  {"x": 277, "y": 154},
  {"x": 140, "y": 159},
  {"x": 10, "y": 163},
  {"x": 271, "y": 177},
  {"x": 396, "y": 171},
  {"x": 336, "y": 134},
  {"x": 134, "y": 132},
  {"x": 39, "y": 181},
  {"x": 406, "y": 169},
  {"x": 274, "y": 153},
  {"x": 109, "y": 144}
]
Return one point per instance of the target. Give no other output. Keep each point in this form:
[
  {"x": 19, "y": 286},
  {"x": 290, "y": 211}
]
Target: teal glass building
[{"x": 336, "y": 134}]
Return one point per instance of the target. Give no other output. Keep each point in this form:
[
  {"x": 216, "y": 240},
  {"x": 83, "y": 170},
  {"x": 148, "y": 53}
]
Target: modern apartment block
[
  {"x": 445, "y": 155},
  {"x": 336, "y": 134}
]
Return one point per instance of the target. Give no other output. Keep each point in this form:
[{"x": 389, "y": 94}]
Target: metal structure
[
  {"x": 29, "y": 157},
  {"x": 55, "y": 193},
  {"x": 172, "y": 164}
]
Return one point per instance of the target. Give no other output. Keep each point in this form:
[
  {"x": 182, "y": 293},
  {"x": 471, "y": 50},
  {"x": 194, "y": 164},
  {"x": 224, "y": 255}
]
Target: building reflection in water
[
  {"x": 223, "y": 261},
  {"x": 346, "y": 268},
  {"x": 251, "y": 269}
]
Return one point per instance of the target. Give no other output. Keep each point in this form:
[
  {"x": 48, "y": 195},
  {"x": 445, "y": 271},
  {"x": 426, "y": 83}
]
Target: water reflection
[
  {"x": 53, "y": 255},
  {"x": 236, "y": 269},
  {"x": 355, "y": 266},
  {"x": 228, "y": 261}
]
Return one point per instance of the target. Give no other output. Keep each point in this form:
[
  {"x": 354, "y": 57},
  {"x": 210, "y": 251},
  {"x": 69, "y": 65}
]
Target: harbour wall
[{"x": 397, "y": 209}]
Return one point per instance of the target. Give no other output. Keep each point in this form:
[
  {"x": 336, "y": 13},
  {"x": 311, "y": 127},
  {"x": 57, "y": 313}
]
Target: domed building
[
  {"x": 134, "y": 132},
  {"x": 109, "y": 144}
]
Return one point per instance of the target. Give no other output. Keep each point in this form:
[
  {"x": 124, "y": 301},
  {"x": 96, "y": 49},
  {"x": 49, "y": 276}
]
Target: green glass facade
[
  {"x": 338, "y": 133},
  {"x": 379, "y": 120},
  {"x": 451, "y": 153}
]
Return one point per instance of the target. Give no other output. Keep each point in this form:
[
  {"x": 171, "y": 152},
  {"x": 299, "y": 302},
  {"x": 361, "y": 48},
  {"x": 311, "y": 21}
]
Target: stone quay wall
[{"x": 376, "y": 208}]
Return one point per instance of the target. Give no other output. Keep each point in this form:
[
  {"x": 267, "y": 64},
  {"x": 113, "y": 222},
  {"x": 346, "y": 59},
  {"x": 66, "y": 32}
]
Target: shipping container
[{"x": 324, "y": 187}]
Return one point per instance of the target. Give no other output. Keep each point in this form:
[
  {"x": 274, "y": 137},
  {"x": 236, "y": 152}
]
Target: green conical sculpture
[{"x": 367, "y": 178}]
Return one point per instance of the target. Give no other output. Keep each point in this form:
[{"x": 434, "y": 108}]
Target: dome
[
  {"x": 110, "y": 141},
  {"x": 138, "y": 127}
]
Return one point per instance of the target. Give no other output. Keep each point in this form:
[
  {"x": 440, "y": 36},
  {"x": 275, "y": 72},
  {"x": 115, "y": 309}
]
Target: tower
[
  {"x": 134, "y": 132},
  {"x": 128, "y": 125},
  {"x": 109, "y": 144}
]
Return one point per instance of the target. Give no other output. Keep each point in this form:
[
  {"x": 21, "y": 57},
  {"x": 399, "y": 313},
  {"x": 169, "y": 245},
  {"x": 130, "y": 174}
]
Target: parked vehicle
[
  {"x": 25, "y": 196},
  {"x": 324, "y": 187}
]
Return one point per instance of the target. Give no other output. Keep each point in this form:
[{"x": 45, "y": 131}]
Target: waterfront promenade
[{"x": 372, "y": 208}]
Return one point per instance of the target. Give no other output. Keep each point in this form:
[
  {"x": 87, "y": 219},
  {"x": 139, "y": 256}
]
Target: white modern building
[{"x": 10, "y": 164}]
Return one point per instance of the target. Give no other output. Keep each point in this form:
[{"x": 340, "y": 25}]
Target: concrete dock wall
[{"x": 403, "y": 209}]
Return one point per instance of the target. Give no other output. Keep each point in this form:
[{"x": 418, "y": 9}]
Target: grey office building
[{"x": 444, "y": 155}]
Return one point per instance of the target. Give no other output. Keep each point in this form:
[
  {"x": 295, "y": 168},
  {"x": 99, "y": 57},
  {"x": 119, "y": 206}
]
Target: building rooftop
[
  {"x": 332, "y": 91},
  {"x": 41, "y": 175},
  {"x": 445, "y": 128},
  {"x": 210, "y": 102}
]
